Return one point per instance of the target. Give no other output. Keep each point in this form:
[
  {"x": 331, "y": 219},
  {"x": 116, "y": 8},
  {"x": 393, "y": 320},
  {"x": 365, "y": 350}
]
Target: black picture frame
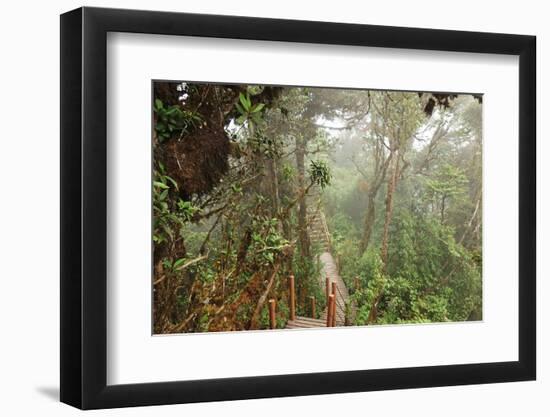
[{"x": 84, "y": 207}]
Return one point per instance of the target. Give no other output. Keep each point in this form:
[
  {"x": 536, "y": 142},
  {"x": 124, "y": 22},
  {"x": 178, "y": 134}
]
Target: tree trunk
[
  {"x": 369, "y": 221},
  {"x": 302, "y": 208},
  {"x": 274, "y": 185},
  {"x": 373, "y": 313},
  {"x": 392, "y": 184},
  {"x": 261, "y": 301},
  {"x": 380, "y": 168},
  {"x": 472, "y": 220},
  {"x": 443, "y": 209}
]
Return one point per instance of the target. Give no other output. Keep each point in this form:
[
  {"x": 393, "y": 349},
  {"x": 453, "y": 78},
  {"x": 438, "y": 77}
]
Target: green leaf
[
  {"x": 178, "y": 263},
  {"x": 172, "y": 181},
  {"x": 245, "y": 101},
  {"x": 158, "y": 104},
  {"x": 240, "y": 109},
  {"x": 160, "y": 185},
  {"x": 258, "y": 107}
]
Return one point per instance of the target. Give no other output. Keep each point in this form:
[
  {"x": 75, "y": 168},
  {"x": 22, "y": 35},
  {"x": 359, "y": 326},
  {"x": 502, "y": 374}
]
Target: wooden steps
[
  {"x": 319, "y": 235},
  {"x": 305, "y": 323},
  {"x": 342, "y": 296},
  {"x": 316, "y": 230}
]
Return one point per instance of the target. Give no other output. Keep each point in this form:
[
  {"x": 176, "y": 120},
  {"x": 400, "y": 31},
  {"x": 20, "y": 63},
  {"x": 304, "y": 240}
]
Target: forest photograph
[{"x": 290, "y": 207}]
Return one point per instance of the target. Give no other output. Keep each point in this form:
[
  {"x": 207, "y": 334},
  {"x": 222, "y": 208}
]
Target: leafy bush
[{"x": 173, "y": 120}]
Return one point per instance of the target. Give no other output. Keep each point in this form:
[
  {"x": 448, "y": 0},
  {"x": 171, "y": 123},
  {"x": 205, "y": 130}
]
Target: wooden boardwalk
[
  {"x": 330, "y": 271},
  {"x": 305, "y": 323},
  {"x": 319, "y": 235}
]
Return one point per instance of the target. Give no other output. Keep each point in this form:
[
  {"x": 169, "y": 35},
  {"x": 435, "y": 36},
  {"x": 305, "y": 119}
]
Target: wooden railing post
[
  {"x": 330, "y": 306},
  {"x": 327, "y": 287},
  {"x": 333, "y": 312},
  {"x": 335, "y": 293},
  {"x": 292, "y": 298},
  {"x": 272, "y": 320},
  {"x": 313, "y": 312}
]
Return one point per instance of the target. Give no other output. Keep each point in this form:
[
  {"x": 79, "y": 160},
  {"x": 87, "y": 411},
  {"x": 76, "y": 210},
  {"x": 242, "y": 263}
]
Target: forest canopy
[{"x": 298, "y": 207}]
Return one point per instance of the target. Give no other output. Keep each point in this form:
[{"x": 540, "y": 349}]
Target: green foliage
[
  {"x": 429, "y": 277},
  {"x": 319, "y": 172},
  {"x": 163, "y": 218},
  {"x": 186, "y": 210},
  {"x": 248, "y": 112},
  {"x": 306, "y": 272},
  {"x": 173, "y": 120},
  {"x": 448, "y": 183},
  {"x": 433, "y": 277},
  {"x": 288, "y": 172},
  {"x": 264, "y": 145},
  {"x": 169, "y": 215},
  {"x": 267, "y": 242},
  {"x": 372, "y": 282},
  {"x": 343, "y": 229},
  {"x": 282, "y": 312}
]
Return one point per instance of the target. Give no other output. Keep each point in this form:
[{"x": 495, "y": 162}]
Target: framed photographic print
[{"x": 255, "y": 208}]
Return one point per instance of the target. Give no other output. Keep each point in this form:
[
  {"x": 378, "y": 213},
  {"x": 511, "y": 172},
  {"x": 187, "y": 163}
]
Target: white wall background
[{"x": 29, "y": 225}]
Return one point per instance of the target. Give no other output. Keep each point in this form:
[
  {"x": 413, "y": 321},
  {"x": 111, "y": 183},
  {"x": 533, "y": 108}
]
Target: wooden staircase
[
  {"x": 320, "y": 236},
  {"x": 317, "y": 225},
  {"x": 305, "y": 323}
]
